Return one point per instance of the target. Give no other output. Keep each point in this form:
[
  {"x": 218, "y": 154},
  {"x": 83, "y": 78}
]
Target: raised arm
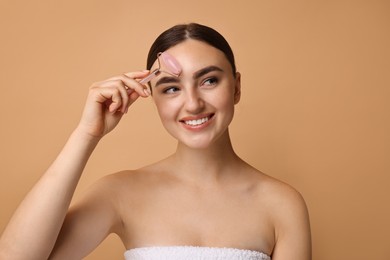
[{"x": 33, "y": 229}]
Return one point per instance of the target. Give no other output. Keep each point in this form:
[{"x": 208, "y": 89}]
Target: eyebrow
[
  {"x": 196, "y": 75},
  {"x": 165, "y": 80},
  {"x": 205, "y": 70}
]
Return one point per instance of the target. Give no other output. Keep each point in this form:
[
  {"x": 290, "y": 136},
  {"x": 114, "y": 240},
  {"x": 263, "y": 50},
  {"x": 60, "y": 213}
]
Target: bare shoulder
[
  {"x": 283, "y": 196},
  {"x": 108, "y": 191},
  {"x": 278, "y": 196},
  {"x": 287, "y": 209},
  {"x": 118, "y": 182},
  {"x": 127, "y": 183}
]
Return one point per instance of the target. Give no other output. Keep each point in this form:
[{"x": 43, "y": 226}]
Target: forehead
[{"x": 193, "y": 55}]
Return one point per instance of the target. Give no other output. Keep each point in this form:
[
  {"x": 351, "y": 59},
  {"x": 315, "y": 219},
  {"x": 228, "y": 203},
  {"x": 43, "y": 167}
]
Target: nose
[{"x": 193, "y": 101}]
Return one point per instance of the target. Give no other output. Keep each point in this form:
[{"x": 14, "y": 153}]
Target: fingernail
[{"x": 147, "y": 92}]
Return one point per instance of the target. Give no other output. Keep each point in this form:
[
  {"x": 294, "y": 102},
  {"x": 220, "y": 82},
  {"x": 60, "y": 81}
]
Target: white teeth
[{"x": 196, "y": 122}]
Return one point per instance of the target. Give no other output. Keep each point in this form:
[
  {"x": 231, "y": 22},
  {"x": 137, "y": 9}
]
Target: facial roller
[{"x": 171, "y": 64}]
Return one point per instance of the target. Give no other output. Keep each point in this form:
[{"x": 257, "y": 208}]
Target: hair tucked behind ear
[{"x": 182, "y": 32}]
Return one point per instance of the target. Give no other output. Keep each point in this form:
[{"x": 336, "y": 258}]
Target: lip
[{"x": 210, "y": 117}]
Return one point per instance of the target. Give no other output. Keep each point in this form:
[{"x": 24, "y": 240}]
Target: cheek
[
  {"x": 165, "y": 108},
  {"x": 224, "y": 100},
  {"x": 225, "y": 104}
]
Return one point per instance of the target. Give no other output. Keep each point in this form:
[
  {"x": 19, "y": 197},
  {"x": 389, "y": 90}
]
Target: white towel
[{"x": 193, "y": 253}]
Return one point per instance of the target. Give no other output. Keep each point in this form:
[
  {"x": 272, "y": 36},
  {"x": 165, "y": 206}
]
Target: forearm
[{"x": 34, "y": 227}]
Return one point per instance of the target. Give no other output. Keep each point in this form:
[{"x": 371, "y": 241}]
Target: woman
[{"x": 203, "y": 201}]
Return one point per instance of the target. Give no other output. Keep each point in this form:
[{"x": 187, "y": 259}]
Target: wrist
[{"x": 84, "y": 136}]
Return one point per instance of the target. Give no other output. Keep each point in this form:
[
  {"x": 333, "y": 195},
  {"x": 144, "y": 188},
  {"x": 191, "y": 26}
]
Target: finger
[
  {"x": 132, "y": 83},
  {"x": 122, "y": 89},
  {"x": 137, "y": 74},
  {"x": 110, "y": 96},
  {"x": 116, "y": 101},
  {"x": 132, "y": 98},
  {"x": 128, "y": 83},
  {"x": 130, "y": 80},
  {"x": 132, "y": 75}
]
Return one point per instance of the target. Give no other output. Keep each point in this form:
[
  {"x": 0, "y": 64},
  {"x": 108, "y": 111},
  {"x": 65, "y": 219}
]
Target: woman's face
[{"x": 197, "y": 107}]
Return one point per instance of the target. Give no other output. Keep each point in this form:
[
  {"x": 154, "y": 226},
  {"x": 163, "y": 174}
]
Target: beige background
[{"x": 314, "y": 112}]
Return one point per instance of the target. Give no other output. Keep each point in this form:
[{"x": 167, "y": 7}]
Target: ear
[{"x": 237, "y": 88}]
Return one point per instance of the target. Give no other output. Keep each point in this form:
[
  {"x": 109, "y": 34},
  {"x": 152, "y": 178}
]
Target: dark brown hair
[{"x": 180, "y": 33}]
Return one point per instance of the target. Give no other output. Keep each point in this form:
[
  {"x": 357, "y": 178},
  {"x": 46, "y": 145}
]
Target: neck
[{"x": 209, "y": 164}]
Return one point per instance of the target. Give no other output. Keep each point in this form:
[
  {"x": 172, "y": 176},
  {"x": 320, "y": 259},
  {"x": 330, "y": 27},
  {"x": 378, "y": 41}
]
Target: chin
[
  {"x": 200, "y": 141},
  {"x": 196, "y": 145}
]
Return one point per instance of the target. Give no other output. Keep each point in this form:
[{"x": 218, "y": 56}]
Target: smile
[{"x": 197, "y": 121}]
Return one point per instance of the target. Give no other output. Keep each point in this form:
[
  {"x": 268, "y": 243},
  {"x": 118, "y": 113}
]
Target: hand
[{"x": 109, "y": 100}]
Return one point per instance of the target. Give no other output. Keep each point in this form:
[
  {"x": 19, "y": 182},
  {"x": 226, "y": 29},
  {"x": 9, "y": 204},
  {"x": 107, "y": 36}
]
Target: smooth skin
[{"x": 202, "y": 195}]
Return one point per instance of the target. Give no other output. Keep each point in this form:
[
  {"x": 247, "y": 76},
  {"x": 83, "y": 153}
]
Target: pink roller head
[{"x": 171, "y": 63}]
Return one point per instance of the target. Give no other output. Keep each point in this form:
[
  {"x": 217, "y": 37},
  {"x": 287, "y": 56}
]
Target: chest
[{"x": 202, "y": 218}]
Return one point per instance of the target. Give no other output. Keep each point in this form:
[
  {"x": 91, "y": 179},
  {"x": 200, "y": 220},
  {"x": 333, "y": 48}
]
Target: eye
[
  {"x": 170, "y": 90},
  {"x": 210, "y": 81}
]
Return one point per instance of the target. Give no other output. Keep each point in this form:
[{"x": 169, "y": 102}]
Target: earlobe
[{"x": 237, "y": 88}]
